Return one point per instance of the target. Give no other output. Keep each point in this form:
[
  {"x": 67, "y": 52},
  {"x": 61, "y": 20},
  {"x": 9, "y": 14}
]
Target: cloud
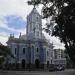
[
  {"x": 13, "y": 25},
  {"x": 15, "y": 21},
  {"x": 3, "y": 37},
  {"x": 13, "y": 7},
  {"x": 56, "y": 42},
  {"x": 17, "y": 7}
]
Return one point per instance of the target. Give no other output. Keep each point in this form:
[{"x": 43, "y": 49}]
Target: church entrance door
[
  {"x": 23, "y": 64},
  {"x": 37, "y": 63},
  {"x": 47, "y": 64}
]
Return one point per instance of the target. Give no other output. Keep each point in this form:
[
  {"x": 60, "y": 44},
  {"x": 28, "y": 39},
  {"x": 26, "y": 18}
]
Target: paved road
[{"x": 66, "y": 72}]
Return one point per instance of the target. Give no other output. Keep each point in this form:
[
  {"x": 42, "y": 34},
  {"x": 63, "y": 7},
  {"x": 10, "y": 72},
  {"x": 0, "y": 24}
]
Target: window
[
  {"x": 37, "y": 49},
  {"x": 47, "y": 53},
  {"x": 37, "y": 33},
  {"x": 30, "y": 26},
  {"x": 37, "y": 25},
  {"x": 37, "y": 18},
  {"x": 23, "y": 50},
  {"x": 55, "y": 54},
  {"x": 15, "y": 50},
  {"x": 32, "y": 47}
]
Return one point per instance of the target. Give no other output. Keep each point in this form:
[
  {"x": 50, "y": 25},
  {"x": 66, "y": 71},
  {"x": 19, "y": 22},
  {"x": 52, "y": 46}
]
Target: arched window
[
  {"x": 23, "y": 50},
  {"x": 32, "y": 47},
  {"x": 37, "y": 49},
  {"x": 47, "y": 53},
  {"x": 37, "y": 17},
  {"x": 15, "y": 50}
]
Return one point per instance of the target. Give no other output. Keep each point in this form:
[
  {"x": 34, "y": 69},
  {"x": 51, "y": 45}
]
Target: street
[{"x": 66, "y": 72}]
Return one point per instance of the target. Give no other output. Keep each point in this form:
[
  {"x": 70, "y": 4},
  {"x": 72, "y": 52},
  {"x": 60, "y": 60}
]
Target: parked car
[{"x": 60, "y": 68}]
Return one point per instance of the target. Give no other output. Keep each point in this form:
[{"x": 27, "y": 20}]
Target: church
[{"x": 31, "y": 50}]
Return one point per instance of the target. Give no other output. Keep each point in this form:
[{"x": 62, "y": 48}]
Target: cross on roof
[{"x": 34, "y": 3}]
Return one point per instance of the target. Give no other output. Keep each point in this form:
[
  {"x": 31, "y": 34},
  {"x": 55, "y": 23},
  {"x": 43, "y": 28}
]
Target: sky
[{"x": 13, "y": 14}]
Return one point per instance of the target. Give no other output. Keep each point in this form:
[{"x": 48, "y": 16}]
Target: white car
[{"x": 60, "y": 68}]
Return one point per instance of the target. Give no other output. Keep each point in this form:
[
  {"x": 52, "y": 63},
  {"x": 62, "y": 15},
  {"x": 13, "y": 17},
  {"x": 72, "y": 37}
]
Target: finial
[
  {"x": 34, "y": 3},
  {"x": 20, "y": 34},
  {"x": 13, "y": 34},
  {"x": 10, "y": 35}
]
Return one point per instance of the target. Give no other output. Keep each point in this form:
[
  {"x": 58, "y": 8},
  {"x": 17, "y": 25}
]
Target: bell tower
[{"x": 34, "y": 24}]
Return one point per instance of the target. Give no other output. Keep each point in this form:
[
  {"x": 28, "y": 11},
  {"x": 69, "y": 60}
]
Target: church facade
[{"x": 31, "y": 50}]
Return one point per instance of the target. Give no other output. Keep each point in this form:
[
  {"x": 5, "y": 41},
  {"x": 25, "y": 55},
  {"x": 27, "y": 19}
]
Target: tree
[
  {"x": 4, "y": 52},
  {"x": 63, "y": 12}
]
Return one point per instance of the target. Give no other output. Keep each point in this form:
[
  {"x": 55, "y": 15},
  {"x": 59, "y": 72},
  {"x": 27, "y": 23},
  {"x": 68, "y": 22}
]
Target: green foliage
[
  {"x": 4, "y": 52},
  {"x": 66, "y": 27},
  {"x": 1, "y": 60}
]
